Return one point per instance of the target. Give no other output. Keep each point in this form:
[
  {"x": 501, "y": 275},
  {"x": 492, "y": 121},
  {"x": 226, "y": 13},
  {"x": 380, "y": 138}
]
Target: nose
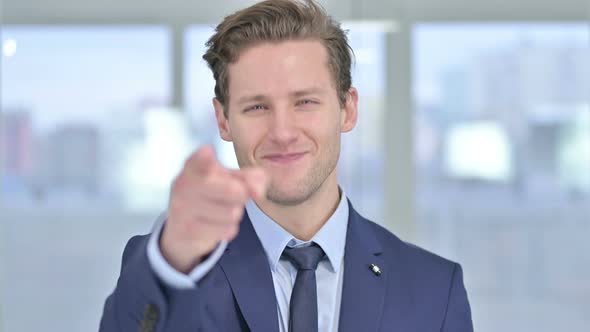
[{"x": 283, "y": 126}]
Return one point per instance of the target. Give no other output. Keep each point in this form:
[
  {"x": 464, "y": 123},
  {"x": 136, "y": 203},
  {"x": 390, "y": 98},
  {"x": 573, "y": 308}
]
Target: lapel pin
[{"x": 376, "y": 270}]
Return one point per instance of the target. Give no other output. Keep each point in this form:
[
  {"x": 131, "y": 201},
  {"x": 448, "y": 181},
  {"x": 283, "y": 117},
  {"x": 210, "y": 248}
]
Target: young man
[{"x": 276, "y": 246}]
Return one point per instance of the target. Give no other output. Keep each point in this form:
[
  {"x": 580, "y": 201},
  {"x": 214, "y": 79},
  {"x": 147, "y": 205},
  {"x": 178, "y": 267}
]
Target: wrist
[{"x": 183, "y": 258}]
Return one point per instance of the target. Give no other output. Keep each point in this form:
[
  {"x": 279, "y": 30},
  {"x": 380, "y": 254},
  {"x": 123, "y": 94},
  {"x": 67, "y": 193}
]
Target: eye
[
  {"x": 304, "y": 102},
  {"x": 257, "y": 107}
]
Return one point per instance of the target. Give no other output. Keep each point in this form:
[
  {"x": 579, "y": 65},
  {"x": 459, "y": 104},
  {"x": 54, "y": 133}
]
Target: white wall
[{"x": 175, "y": 11}]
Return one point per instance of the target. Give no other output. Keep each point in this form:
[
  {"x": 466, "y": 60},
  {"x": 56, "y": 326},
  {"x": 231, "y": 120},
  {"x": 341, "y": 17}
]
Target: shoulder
[
  {"x": 427, "y": 278},
  {"x": 135, "y": 249},
  {"x": 415, "y": 260},
  {"x": 427, "y": 284}
]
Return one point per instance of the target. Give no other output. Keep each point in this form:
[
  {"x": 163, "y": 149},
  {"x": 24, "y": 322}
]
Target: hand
[{"x": 206, "y": 206}]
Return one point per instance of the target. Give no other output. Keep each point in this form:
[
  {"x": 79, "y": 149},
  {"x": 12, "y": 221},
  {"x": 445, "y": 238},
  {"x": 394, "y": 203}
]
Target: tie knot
[{"x": 305, "y": 258}]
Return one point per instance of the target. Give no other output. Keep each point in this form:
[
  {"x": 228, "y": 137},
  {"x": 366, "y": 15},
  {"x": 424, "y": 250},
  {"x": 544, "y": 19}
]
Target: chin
[
  {"x": 289, "y": 193},
  {"x": 285, "y": 199}
]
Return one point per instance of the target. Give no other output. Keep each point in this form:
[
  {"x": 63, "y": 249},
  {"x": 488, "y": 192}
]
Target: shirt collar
[{"x": 331, "y": 237}]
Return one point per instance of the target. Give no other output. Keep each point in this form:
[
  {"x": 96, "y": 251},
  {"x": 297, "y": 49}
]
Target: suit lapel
[
  {"x": 363, "y": 292},
  {"x": 246, "y": 266}
]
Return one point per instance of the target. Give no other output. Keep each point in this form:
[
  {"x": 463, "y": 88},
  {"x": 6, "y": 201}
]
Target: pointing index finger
[
  {"x": 255, "y": 179},
  {"x": 203, "y": 161}
]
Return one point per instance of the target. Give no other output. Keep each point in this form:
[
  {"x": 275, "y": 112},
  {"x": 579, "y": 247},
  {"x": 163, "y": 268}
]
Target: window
[
  {"x": 76, "y": 109},
  {"x": 502, "y": 135},
  {"x": 85, "y": 159}
]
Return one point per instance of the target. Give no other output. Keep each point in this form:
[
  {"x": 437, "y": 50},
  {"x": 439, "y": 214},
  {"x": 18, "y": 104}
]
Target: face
[{"x": 284, "y": 116}]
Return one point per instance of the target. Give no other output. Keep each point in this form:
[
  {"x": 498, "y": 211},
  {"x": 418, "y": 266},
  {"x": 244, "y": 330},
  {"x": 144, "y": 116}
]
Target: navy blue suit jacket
[{"x": 416, "y": 291}]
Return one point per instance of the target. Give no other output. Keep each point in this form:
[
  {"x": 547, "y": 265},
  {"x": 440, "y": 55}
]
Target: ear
[
  {"x": 222, "y": 121},
  {"x": 349, "y": 112}
]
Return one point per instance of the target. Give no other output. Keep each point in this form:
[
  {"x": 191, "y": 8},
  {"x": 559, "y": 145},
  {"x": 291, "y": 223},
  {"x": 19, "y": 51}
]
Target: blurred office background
[{"x": 473, "y": 141}]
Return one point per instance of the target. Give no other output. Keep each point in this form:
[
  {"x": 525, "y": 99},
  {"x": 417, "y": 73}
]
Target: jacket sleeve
[
  {"x": 140, "y": 302},
  {"x": 166, "y": 273},
  {"x": 458, "y": 314}
]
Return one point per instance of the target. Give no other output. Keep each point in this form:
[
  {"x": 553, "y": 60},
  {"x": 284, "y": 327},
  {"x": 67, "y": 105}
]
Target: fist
[{"x": 206, "y": 206}]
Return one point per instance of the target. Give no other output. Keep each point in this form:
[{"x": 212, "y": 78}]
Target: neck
[{"x": 304, "y": 220}]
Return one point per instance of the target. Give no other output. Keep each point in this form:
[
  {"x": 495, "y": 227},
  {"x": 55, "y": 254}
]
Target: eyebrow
[
  {"x": 295, "y": 94},
  {"x": 248, "y": 99},
  {"x": 306, "y": 92}
]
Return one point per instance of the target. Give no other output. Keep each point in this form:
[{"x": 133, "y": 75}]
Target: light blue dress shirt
[{"x": 329, "y": 274}]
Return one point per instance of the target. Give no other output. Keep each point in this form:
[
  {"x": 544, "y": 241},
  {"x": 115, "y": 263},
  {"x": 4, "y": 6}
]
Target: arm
[
  {"x": 458, "y": 315},
  {"x": 156, "y": 288},
  {"x": 141, "y": 300},
  {"x": 166, "y": 273}
]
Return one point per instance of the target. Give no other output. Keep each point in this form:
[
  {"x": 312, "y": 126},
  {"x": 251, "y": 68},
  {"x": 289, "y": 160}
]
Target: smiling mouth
[{"x": 285, "y": 158}]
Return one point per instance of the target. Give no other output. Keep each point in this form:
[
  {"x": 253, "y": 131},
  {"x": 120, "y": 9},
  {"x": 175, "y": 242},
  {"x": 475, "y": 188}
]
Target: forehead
[{"x": 280, "y": 68}]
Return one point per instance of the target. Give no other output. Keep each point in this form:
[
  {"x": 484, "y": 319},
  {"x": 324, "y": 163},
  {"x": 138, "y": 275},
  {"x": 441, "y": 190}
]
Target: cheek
[
  {"x": 325, "y": 125},
  {"x": 324, "y": 132},
  {"x": 246, "y": 136}
]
